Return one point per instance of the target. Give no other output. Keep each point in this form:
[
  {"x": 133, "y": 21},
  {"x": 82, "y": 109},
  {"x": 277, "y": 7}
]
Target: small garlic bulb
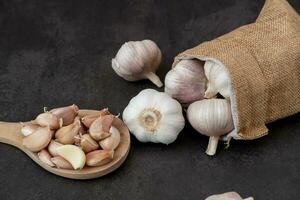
[
  {"x": 186, "y": 82},
  {"x": 211, "y": 117},
  {"x": 137, "y": 60},
  {"x": 218, "y": 80},
  {"x": 154, "y": 117}
]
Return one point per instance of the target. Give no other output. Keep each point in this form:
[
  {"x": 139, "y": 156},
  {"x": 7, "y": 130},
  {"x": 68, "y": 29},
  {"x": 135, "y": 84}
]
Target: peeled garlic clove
[
  {"x": 47, "y": 120},
  {"x": 154, "y": 117},
  {"x": 29, "y": 129},
  {"x": 45, "y": 157},
  {"x": 72, "y": 154},
  {"x": 88, "y": 144},
  {"x": 138, "y": 60},
  {"x": 82, "y": 113},
  {"x": 66, "y": 134},
  {"x": 101, "y": 126},
  {"x": 52, "y": 147},
  {"x": 38, "y": 140},
  {"x": 211, "y": 117},
  {"x": 67, "y": 114},
  {"x": 99, "y": 158},
  {"x": 228, "y": 196},
  {"x": 218, "y": 80},
  {"x": 61, "y": 163},
  {"x": 186, "y": 82},
  {"x": 111, "y": 142},
  {"x": 90, "y": 118}
]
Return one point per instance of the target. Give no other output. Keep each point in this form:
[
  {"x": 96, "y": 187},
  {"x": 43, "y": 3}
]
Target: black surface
[{"x": 55, "y": 53}]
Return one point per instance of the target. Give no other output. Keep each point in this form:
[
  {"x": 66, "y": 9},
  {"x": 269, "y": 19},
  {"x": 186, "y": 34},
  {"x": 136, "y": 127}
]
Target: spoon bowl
[{"x": 10, "y": 133}]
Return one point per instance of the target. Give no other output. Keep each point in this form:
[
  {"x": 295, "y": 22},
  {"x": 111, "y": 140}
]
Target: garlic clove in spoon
[
  {"x": 45, "y": 157},
  {"x": 211, "y": 117},
  {"x": 100, "y": 127},
  {"x": 48, "y": 120},
  {"x": 72, "y": 154},
  {"x": 218, "y": 80},
  {"x": 39, "y": 139},
  {"x": 99, "y": 158},
  {"x": 67, "y": 114},
  {"x": 137, "y": 60},
  {"x": 186, "y": 82},
  {"x": 89, "y": 117},
  {"x": 61, "y": 163},
  {"x": 66, "y": 134},
  {"x": 154, "y": 117},
  {"x": 52, "y": 147},
  {"x": 29, "y": 129},
  {"x": 88, "y": 144},
  {"x": 111, "y": 142}
]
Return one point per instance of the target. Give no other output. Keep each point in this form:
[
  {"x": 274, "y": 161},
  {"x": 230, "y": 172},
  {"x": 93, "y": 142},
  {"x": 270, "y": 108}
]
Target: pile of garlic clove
[
  {"x": 69, "y": 138},
  {"x": 205, "y": 89}
]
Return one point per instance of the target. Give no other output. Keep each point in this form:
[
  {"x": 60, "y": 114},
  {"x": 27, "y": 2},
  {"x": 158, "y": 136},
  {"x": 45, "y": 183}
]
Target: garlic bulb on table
[
  {"x": 218, "y": 80},
  {"x": 154, "y": 117},
  {"x": 186, "y": 82},
  {"x": 137, "y": 60},
  {"x": 211, "y": 117}
]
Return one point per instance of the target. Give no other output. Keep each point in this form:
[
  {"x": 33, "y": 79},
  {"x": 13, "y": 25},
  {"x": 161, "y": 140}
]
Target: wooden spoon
[{"x": 10, "y": 133}]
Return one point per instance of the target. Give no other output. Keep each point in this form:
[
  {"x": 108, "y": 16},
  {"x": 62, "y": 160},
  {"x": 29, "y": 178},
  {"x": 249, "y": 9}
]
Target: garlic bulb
[
  {"x": 138, "y": 60},
  {"x": 154, "y": 117},
  {"x": 186, "y": 82},
  {"x": 218, "y": 80},
  {"x": 227, "y": 196},
  {"x": 211, "y": 117}
]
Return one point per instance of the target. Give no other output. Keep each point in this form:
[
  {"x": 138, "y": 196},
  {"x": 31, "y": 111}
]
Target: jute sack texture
[{"x": 263, "y": 61}]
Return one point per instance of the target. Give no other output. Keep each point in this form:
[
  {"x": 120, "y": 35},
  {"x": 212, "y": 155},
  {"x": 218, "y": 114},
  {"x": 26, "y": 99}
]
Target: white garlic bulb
[
  {"x": 186, "y": 82},
  {"x": 137, "y": 60},
  {"x": 211, "y": 117},
  {"x": 154, "y": 117},
  {"x": 227, "y": 196},
  {"x": 218, "y": 80}
]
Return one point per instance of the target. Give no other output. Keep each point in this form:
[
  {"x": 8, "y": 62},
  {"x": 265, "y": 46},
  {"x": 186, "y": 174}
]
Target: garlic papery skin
[
  {"x": 154, "y": 117},
  {"x": 186, "y": 82},
  {"x": 218, "y": 80},
  {"x": 211, "y": 117},
  {"x": 137, "y": 60}
]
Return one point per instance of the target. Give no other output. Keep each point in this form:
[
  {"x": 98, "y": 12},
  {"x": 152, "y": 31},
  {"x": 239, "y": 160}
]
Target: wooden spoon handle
[{"x": 10, "y": 133}]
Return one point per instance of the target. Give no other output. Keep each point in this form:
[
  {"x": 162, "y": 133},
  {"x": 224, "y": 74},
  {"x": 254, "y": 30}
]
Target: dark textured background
[{"x": 55, "y": 53}]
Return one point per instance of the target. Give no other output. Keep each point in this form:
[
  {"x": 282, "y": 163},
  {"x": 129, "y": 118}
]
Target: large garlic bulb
[
  {"x": 186, "y": 82},
  {"x": 211, "y": 117},
  {"x": 154, "y": 117},
  {"x": 138, "y": 60},
  {"x": 218, "y": 80}
]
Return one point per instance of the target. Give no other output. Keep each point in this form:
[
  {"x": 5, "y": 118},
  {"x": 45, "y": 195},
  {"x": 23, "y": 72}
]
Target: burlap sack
[{"x": 263, "y": 62}]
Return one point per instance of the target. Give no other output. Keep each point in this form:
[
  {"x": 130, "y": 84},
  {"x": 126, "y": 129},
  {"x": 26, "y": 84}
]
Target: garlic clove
[
  {"x": 218, "y": 80},
  {"x": 111, "y": 142},
  {"x": 99, "y": 158},
  {"x": 211, "y": 117},
  {"x": 72, "y": 154},
  {"x": 138, "y": 60},
  {"x": 52, "y": 147},
  {"x": 45, "y": 157},
  {"x": 88, "y": 119},
  {"x": 101, "y": 126},
  {"x": 38, "y": 140},
  {"x": 47, "y": 120},
  {"x": 29, "y": 129},
  {"x": 67, "y": 114},
  {"x": 153, "y": 116},
  {"x": 88, "y": 144},
  {"x": 61, "y": 163},
  {"x": 186, "y": 82},
  {"x": 82, "y": 113},
  {"x": 66, "y": 134}
]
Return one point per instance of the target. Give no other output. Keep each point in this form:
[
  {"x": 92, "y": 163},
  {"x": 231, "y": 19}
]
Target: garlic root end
[
  {"x": 154, "y": 79},
  {"x": 212, "y": 145}
]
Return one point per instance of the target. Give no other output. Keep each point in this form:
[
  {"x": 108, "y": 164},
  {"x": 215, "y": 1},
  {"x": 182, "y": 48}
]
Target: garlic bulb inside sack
[
  {"x": 211, "y": 117},
  {"x": 137, "y": 60},
  {"x": 218, "y": 80},
  {"x": 154, "y": 117},
  {"x": 186, "y": 82}
]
